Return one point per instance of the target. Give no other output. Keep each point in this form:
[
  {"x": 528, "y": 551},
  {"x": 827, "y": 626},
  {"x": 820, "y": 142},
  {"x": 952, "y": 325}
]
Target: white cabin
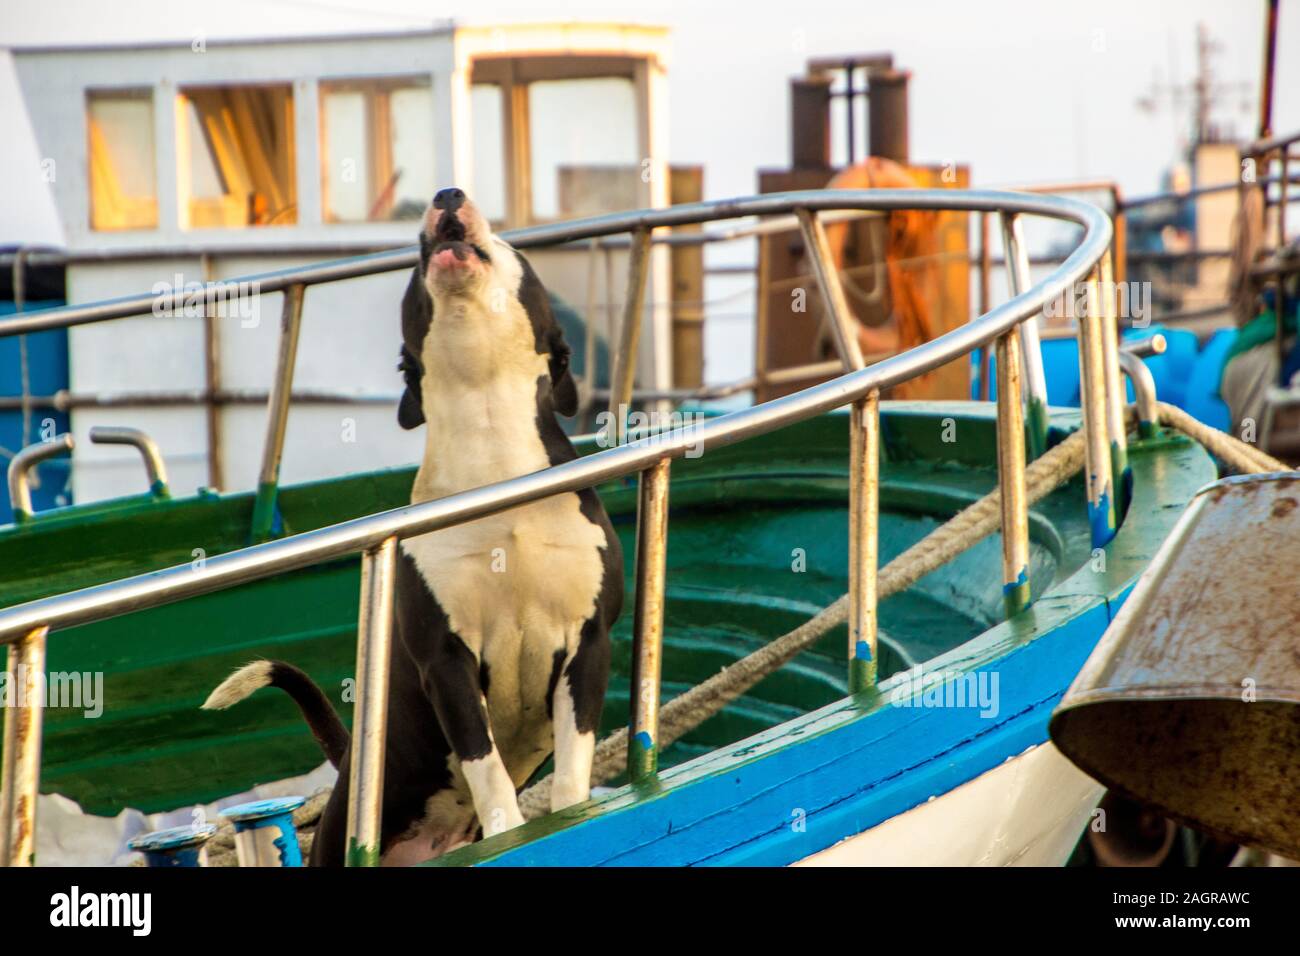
[{"x": 183, "y": 162}]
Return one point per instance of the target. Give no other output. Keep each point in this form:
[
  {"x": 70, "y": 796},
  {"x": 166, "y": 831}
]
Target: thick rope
[{"x": 1242, "y": 456}]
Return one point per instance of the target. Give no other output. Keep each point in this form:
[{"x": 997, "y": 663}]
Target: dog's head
[{"x": 473, "y": 292}]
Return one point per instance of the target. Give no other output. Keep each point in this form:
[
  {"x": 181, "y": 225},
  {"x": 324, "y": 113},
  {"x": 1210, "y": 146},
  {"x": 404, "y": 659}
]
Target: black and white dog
[{"x": 502, "y": 650}]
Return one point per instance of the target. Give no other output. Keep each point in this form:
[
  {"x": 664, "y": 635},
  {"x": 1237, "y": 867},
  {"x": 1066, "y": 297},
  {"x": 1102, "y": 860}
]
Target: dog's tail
[{"x": 311, "y": 700}]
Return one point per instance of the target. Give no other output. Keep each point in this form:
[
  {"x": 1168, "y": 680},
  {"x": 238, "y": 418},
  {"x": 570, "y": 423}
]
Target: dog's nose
[{"x": 449, "y": 199}]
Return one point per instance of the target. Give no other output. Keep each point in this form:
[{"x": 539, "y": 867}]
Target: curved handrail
[
  {"x": 360, "y": 534},
  {"x": 535, "y": 237}
]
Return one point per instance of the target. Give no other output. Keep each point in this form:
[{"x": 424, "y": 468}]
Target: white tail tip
[{"x": 239, "y": 685}]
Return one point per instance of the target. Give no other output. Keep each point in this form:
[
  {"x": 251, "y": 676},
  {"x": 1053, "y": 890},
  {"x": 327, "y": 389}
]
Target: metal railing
[
  {"x": 24, "y": 628},
  {"x": 1120, "y": 207},
  {"x": 20, "y": 466},
  {"x": 1263, "y": 152},
  {"x": 592, "y": 395}
]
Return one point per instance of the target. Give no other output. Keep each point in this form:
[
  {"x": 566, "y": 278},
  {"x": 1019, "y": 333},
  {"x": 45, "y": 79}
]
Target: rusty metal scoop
[{"x": 1191, "y": 701}]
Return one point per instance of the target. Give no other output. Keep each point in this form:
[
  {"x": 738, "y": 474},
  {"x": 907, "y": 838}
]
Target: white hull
[{"x": 1029, "y": 811}]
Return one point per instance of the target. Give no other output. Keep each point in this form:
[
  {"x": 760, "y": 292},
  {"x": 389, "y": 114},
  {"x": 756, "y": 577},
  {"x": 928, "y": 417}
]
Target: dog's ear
[
  {"x": 548, "y": 337},
  {"x": 417, "y": 316},
  {"x": 410, "y": 412},
  {"x": 563, "y": 389}
]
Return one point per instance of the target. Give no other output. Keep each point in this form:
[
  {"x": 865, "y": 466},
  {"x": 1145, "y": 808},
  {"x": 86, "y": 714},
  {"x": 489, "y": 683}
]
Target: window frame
[
  {"x": 183, "y": 146},
  {"x": 367, "y": 86},
  {"x": 133, "y": 92},
  {"x": 513, "y": 73}
]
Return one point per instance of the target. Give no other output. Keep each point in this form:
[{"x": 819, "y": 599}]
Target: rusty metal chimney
[
  {"x": 887, "y": 114},
  {"x": 810, "y": 122}
]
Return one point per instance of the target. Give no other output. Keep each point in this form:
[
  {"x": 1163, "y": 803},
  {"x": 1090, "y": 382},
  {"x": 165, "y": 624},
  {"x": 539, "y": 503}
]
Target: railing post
[
  {"x": 587, "y": 384},
  {"x": 1285, "y": 155},
  {"x": 828, "y": 281},
  {"x": 1119, "y": 244},
  {"x": 864, "y": 464},
  {"x": 986, "y": 299},
  {"x": 20, "y": 772},
  {"x": 1144, "y": 391},
  {"x": 1092, "y": 392},
  {"x": 370, "y": 716},
  {"x": 1011, "y": 476},
  {"x": 277, "y": 415},
  {"x": 1121, "y": 477},
  {"x": 1017, "y": 256},
  {"x": 629, "y": 338},
  {"x": 864, "y": 516},
  {"x": 648, "y": 622}
]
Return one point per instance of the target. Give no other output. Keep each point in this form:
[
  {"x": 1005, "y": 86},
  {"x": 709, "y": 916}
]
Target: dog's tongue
[{"x": 450, "y": 255}]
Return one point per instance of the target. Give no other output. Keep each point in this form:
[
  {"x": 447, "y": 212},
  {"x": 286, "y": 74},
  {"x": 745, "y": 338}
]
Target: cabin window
[
  {"x": 489, "y": 150},
  {"x": 235, "y": 153},
  {"x": 583, "y": 142},
  {"x": 123, "y": 187},
  {"x": 376, "y": 149}
]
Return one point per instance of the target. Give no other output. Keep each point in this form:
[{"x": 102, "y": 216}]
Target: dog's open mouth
[
  {"x": 455, "y": 243},
  {"x": 450, "y": 247},
  {"x": 444, "y": 252},
  {"x": 457, "y": 253}
]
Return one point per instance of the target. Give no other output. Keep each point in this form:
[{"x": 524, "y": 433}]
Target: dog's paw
[
  {"x": 501, "y": 819},
  {"x": 566, "y": 791}
]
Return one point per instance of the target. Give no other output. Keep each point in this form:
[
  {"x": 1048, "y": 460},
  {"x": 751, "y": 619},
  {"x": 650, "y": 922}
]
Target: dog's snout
[
  {"x": 457, "y": 236},
  {"x": 449, "y": 200}
]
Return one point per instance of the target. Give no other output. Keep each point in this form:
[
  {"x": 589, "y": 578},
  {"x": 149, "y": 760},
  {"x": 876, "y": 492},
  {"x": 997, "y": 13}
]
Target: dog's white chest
[
  {"x": 534, "y": 571},
  {"x": 517, "y": 588}
]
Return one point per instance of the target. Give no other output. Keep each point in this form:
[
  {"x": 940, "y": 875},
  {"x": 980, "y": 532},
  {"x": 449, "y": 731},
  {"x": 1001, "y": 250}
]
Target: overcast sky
[{"x": 1022, "y": 90}]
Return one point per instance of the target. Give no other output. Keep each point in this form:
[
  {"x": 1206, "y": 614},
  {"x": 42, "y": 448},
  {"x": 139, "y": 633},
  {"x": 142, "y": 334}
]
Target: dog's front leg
[
  {"x": 579, "y": 696},
  {"x": 462, "y": 710},
  {"x": 495, "y": 802},
  {"x": 573, "y": 754}
]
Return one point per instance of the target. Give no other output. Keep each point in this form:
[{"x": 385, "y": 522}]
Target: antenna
[{"x": 1204, "y": 93}]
